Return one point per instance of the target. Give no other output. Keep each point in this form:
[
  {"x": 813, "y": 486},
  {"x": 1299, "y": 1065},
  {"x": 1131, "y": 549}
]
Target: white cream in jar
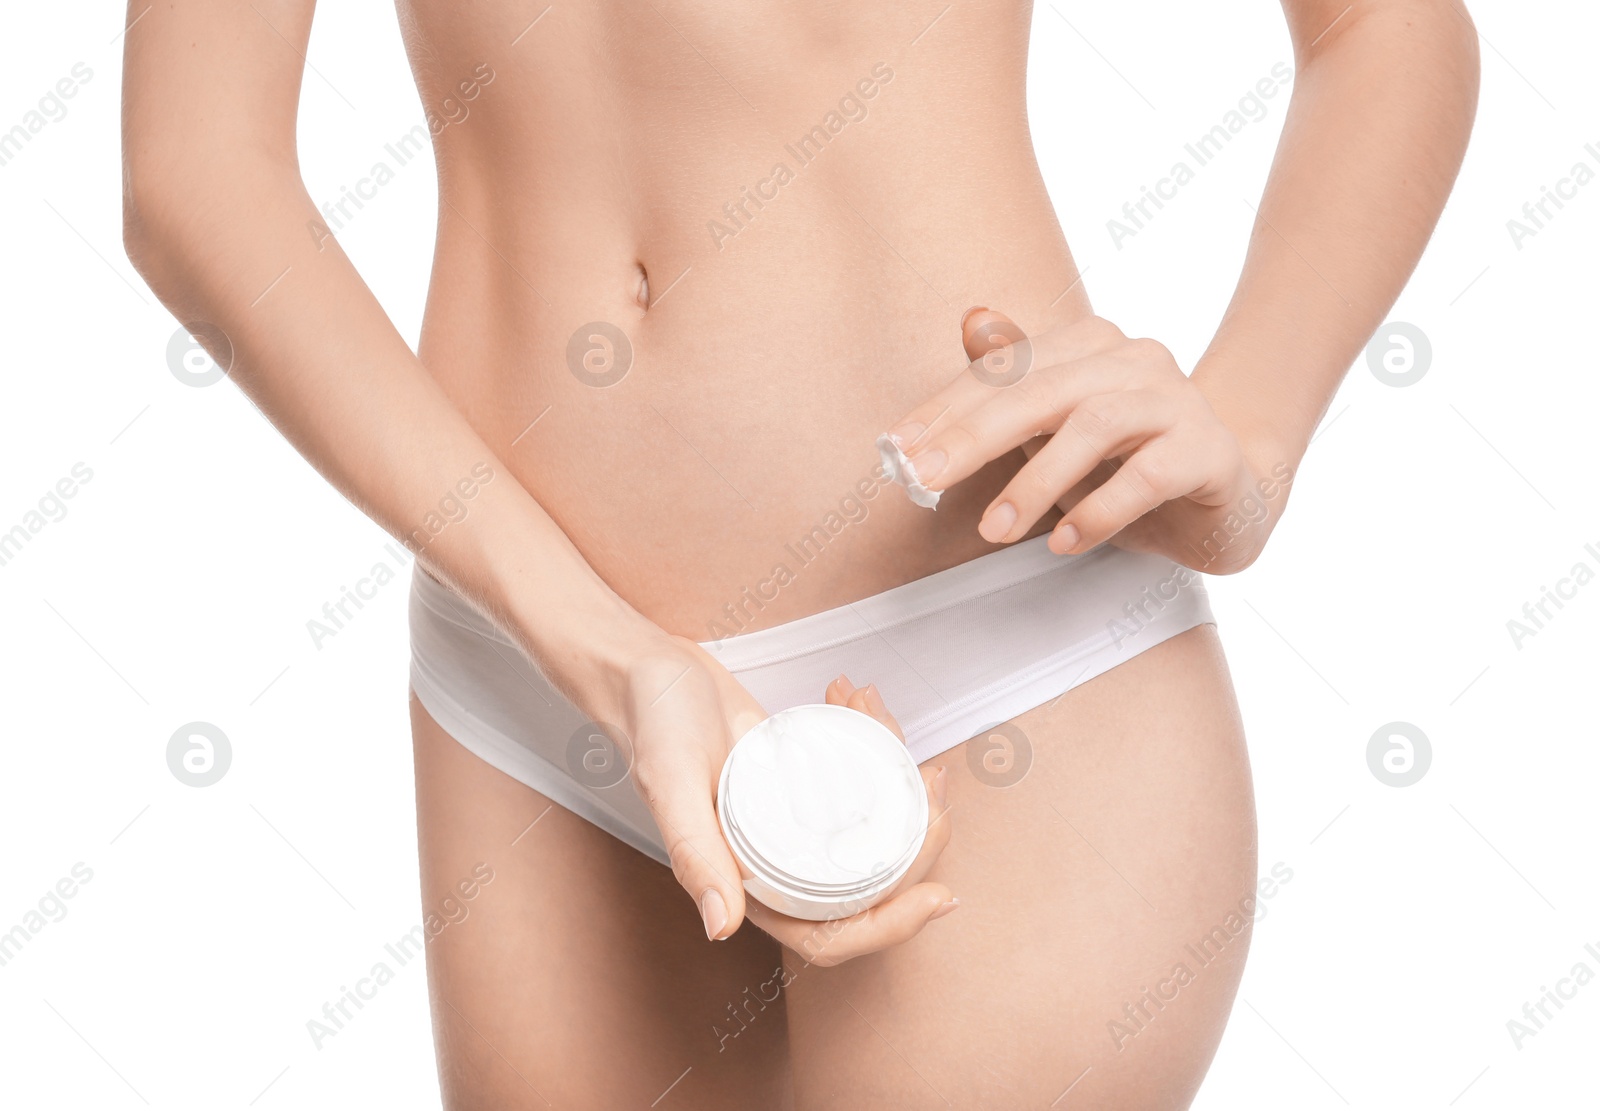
[{"x": 824, "y": 809}]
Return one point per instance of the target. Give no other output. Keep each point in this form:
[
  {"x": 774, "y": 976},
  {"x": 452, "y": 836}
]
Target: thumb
[
  {"x": 983, "y": 330},
  {"x": 683, "y": 804}
]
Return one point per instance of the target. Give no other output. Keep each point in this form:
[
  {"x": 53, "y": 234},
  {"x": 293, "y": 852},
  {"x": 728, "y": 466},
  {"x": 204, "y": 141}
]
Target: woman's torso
[{"x": 815, "y": 194}]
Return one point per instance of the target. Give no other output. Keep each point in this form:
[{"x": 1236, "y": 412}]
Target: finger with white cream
[{"x": 891, "y": 452}]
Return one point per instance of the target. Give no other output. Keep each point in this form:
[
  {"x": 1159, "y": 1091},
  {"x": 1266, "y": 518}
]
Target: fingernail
[
  {"x": 929, "y": 464},
  {"x": 944, "y": 908},
  {"x": 968, "y": 315},
  {"x": 845, "y": 679},
  {"x": 875, "y": 700},
  {"x": 907, "y": 434},
  {"x": 941, "y": 786},
  {"x": 1064, "y": 539},
  {"x": 998, "y": 522},
  {"x": 714, "y": 912}
]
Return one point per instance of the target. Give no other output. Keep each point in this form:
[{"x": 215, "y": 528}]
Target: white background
[{"x": 178, "y": 587}]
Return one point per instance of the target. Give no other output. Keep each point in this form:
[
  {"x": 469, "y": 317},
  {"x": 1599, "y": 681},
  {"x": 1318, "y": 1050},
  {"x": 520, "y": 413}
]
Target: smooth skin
[
  {"x": 582, "y": 973},
  {"x": 588, "y": 156}
]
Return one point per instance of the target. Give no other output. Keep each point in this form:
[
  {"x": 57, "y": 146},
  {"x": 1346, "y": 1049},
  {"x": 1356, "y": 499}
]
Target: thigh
[
  {"x": 567, "y": 969},
  {"x": 1100, "y": 939}
]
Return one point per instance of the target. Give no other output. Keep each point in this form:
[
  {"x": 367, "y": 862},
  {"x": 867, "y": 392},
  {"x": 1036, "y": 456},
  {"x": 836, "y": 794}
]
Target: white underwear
[{"x": 954, "y": 655}]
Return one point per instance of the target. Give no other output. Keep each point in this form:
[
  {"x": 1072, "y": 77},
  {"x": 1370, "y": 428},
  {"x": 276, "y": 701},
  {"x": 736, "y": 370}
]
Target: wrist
[
  {"x": 1274, "y": 460},
  {"x": 511, "y": 560},
  {"x": 1269, "y": 456},
  {"x": 1271, "y": 442},
  {"x": 1265, "y": 392},
  {"x": 588, "y": 646}
]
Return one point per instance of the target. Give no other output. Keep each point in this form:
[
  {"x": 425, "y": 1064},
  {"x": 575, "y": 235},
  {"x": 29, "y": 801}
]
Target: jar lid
[{"x": 825, "y": 801}]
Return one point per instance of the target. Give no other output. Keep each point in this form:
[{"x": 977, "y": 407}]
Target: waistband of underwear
[
  {"x": 897, "y": 606},
  {"x": 859, "y": 620}
]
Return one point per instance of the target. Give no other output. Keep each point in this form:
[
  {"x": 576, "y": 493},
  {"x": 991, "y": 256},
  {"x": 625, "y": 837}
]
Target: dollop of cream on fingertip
[{"x": 904, "y": 474}]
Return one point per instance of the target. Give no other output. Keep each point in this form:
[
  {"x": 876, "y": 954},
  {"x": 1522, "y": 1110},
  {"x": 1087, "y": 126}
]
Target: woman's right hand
[{"x": 683, "y": 712}]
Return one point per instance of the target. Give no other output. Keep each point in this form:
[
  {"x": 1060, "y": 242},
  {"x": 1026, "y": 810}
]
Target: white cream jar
[{"x": 824, "y": 809}]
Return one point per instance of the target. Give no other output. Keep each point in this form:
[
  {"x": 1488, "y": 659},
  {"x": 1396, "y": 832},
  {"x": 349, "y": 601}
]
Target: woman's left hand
[{"x": 1118, "y": 436}]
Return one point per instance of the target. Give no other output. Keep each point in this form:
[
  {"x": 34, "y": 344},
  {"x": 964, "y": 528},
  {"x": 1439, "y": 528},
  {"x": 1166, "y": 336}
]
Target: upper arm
[{"x": 209, "y": 87}]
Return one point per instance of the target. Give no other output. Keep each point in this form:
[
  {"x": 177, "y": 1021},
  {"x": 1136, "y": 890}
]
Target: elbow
[
  {"x": 171, "y": 205},
  {"x": 1457, "y": 67},
  {"x": 147, "y": 236},
  {"x": 1470, "y": 65},
  {"x": 1439, "y": 33},
  {"x": 1459, "y": 64},
  {"x": 188, "y": 207},
  {"x": 1435, "y": 40},
  {"x": 136, "y": 239},
  {"x": 176, "y": 210}
]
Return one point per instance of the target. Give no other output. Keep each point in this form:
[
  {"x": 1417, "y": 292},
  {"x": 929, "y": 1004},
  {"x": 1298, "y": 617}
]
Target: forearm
[
  {"x": 1375, "y": 134},
  {"x": 315, "y": 351}
]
